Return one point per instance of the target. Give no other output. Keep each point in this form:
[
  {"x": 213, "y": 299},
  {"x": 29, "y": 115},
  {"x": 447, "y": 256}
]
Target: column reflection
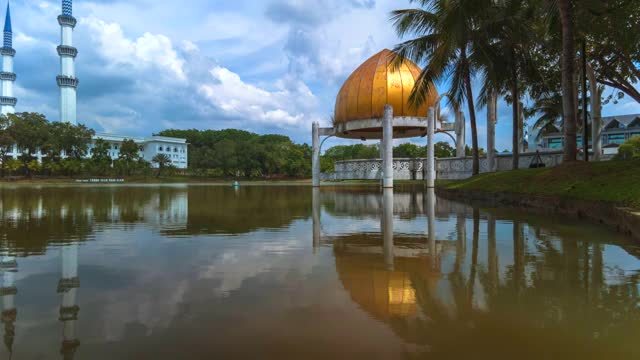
[
  {"x": 68, "y": 287},
  {"x": 8, "y": 291}
]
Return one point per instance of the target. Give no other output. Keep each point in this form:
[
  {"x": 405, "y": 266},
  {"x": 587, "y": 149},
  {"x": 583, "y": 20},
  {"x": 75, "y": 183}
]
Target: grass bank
[{"x": 617, "y": 182}]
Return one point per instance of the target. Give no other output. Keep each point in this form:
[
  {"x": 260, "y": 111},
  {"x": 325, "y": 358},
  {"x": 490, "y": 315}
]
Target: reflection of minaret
[
  {"x": 67, "y": 81},
  {"x": 8, "y": 292},
  {"x": 68, "y": 286},
  {"x": 387, "y": 227},
  {"x": 7, "y": 76}
]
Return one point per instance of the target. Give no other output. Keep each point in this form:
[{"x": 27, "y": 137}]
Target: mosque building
[{"x": 175, "y": 148}]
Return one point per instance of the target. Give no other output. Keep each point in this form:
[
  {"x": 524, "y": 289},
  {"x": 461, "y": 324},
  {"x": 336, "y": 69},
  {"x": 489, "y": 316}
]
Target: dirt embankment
[{"x": 623, "y": 219}]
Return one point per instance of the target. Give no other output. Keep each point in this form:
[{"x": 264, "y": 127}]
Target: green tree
[
  {"x": 569, "y": 104},
  {"x": 629, "y": 150},
  {"x": 409, "y": 150},
  {"x": 444, "y": 40},
  {"x": 507, "y": 39},
  {"x": 100, "y": 158},
  {"x": 443, "y": 150},
  {"x": 13, "y": 166},
  {"x": 128, "y": 159},
  {"x": 31, "y": 132},
  {"x": 6, "y": 142},
  {"x": 163, "y": 161}
]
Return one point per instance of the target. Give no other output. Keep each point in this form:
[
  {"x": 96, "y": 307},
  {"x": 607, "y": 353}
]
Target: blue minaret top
[
  {"x": 67, "y": 7},
  {"x": 8, "y": 32}
]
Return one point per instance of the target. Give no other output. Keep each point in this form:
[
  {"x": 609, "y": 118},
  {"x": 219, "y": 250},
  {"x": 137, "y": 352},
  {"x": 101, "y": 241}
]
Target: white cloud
[
  {"x": 228, "y": 92},
  {"x": 147, "y": 50}
]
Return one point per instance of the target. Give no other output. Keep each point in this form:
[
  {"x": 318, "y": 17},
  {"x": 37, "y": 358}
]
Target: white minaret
[
  {"x": 67, "y": 81},
  {"x": 7, "y": 76},
  {"x": 68, "y": 287}
]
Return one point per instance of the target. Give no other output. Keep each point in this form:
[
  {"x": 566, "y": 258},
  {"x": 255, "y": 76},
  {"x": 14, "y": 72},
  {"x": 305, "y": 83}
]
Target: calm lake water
[{"x": 204, "y": 272}]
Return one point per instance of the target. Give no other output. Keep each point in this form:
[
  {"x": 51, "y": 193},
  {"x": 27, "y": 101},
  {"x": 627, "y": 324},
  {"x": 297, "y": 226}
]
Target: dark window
[{"x": 616, "y": 139}]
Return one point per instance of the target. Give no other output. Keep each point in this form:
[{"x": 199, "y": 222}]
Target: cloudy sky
[{"x": 269, "y": 66}]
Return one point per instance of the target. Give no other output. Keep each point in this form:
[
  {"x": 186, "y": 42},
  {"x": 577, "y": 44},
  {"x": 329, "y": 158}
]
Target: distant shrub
[{"x": 629, "y": 150}]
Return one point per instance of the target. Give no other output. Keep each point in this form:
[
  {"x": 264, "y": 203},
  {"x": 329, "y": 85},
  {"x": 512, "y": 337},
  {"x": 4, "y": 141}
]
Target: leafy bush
[{"x": 629, "y": 150}]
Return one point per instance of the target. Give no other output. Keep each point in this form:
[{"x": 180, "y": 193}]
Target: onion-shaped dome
[{"x": 361, "y": 100}]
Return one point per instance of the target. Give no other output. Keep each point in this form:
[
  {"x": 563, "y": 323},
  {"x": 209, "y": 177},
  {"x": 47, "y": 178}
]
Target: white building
[{"x": 176, "y": 149}]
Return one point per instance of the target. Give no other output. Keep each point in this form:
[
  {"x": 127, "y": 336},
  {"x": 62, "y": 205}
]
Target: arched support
[
  {"x": 387, "y": 146},
  {"x": 431, "y": 150}
]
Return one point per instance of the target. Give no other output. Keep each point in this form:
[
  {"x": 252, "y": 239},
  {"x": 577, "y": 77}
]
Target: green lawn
[{"x": 615, "y": 181}]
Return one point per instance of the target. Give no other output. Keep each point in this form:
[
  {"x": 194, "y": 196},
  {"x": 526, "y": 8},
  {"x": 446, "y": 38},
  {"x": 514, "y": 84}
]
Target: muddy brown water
[{"x": 277, "y": 272}]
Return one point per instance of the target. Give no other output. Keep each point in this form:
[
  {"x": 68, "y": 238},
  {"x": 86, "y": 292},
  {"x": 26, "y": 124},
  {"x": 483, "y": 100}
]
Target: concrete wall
[{"x": 413, "y": 169}]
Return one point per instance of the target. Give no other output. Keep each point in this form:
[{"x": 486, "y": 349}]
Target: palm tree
[
  {"x": 506, "y": 43},
  {"x": 163, "y": 161},
  {"x": 569, "y": 105},
  {"x": 548, "y": 108},
  {"x": 444, "y": 30}
]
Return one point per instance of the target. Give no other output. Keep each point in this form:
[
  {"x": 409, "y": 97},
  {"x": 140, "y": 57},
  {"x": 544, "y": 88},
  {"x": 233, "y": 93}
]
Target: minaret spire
[
  {"x": 7, "y": 76},
  {"x": 67, "y": 81}
]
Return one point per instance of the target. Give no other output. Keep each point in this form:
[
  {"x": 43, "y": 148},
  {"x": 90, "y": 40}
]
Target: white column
[
  {"x": 387, "y": 227},
  {"x": 315, "y": 161},
  {"x": 387, "y": 144},
  {"x": 460, "y": 134},
  {"x": 492, "y": 117},
  {"x": 431, "y": 154}
]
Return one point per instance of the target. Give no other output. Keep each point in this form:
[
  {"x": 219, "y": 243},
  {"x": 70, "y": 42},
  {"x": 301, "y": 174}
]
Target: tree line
[
  {"x": 65, "y": 150},
  {"x": 525, "y": 49},
  {"x": 238, "y": 153}
]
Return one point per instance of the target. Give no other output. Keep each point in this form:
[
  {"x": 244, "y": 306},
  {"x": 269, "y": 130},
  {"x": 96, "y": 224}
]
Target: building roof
[
  {"x": 139, "y": 139},
  {"x": 624, "y": 120},
  {"x": 377, "y": 83}
]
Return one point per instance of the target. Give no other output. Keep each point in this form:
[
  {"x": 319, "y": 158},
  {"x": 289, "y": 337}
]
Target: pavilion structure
[{"x": 374, "y": 104}]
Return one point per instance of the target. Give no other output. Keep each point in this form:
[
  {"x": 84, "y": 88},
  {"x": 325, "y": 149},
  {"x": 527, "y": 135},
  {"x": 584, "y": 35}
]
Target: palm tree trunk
[
  {"x": 472, "y": 115},
  {"x": 515, "y": 95},
  {"x": 568, "y": 85}
]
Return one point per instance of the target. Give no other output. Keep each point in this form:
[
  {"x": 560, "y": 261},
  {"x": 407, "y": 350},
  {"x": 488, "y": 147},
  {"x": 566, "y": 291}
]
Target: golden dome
[{"x": 376, "y": 83}]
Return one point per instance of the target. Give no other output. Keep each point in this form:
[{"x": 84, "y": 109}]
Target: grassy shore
[{"x": 610, "y": 181}]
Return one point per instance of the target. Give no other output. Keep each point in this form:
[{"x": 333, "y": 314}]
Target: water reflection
[
  {"x": 547, "y": 300},
  {"x": 193, "y": 272}
]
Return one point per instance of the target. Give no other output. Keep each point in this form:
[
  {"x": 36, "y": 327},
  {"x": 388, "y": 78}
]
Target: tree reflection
[{"x": 550, "y": 301}]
